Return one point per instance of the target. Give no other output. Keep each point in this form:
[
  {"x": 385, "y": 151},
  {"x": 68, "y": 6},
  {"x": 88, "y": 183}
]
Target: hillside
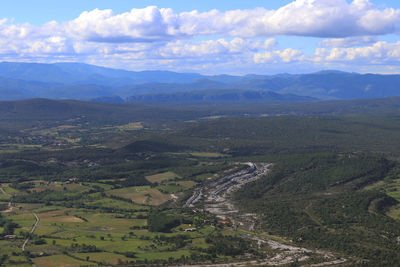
[{"x": 31, "y": 110}]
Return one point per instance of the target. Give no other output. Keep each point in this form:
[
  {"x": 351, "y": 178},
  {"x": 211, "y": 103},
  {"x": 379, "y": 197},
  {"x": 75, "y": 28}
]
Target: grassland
[
  {"x": 141, "y": 195},
  {"x": 207, "y": 154},
  {"x": 131, "y": 126},
  {"x": 61, "y": 260},
  {"x": 9, "y": 190},
  {"x": 393, "y": 190},
  {"x": 60, "y": 187},
  {"x": 103, "y": 257},
  {"x": 160, "y": 177},
  {"x": 113, "y": 204}
]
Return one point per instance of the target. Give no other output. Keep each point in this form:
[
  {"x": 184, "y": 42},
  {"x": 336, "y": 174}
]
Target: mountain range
[{"x": 87, "y": 82}]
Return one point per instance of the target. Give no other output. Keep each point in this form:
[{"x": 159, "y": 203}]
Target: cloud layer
[{"x": 154, "y": 36}]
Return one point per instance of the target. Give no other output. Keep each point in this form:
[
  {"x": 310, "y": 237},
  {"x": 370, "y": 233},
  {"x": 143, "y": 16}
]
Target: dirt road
[
  {"x": 32, "y": 230},
  {"x": 10, "y": 208}
]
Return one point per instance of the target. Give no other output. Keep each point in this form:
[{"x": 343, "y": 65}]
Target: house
[{"x": 72, "y": 180}]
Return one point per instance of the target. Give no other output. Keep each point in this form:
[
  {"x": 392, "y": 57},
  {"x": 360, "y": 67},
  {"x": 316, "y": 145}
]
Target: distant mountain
[
  {"x": 219, "y": 96},
  {"x": 329, "y": 85},
  {"x": 154, "y": 88},
  {"x": 88, "y": 82},
  {"x": 108, "y": 99},
  {"x": 79, "y": 73}
]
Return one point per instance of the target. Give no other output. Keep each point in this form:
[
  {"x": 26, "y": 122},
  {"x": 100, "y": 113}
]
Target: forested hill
[{"x": 32, "y": 110}]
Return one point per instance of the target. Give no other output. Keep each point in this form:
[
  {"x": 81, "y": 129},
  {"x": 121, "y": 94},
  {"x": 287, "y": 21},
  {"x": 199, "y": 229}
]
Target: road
[
  {"x": 32, "y": 230},
  {"x": 10, "y": 208},
  {"x": 34, "y": 214}
]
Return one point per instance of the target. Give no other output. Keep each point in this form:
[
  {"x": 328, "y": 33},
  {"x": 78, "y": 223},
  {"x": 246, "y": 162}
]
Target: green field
[
  {"x": 141, "y": 195},
  {"x": 61, "y": 187},
  {"x": 207, "y": 154},
  {"x": 59, "y": 260},
  {"x": 103, "y": 257},
  {"x": 160, "y": 177},
  {"x": 394, "y": 191},
  {"x": 131, "y": 126}
]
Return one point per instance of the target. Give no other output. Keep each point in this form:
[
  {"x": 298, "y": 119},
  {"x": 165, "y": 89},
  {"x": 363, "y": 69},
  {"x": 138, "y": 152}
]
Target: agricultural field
[
  {"x": 131, "y": 126},
  {"x": 141, "y": 195},
  {"x": 207, "y": 154},
  {"x": 160, "y": 177}
]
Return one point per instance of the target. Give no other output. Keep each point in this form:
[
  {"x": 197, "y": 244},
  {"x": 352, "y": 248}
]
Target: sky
[{"x": 209, "y": 37}]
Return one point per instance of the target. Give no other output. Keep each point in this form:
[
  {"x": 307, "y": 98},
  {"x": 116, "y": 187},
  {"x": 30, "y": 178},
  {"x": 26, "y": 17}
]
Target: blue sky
[{"x": 238, "y": 37}]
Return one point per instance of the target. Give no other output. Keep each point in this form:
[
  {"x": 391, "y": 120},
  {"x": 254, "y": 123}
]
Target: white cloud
[
  {"x": 377, "y": 53},
  {"x": 138, "y": 25},
  {"x": 214, "y": 47},
  {"x": 333, "y": 18},
  {"x": 317, "y": 18},
  {"x": 379, "y": 56},
  {"x": 286, "y": 56},
  {"x": 25, "y": 39}
]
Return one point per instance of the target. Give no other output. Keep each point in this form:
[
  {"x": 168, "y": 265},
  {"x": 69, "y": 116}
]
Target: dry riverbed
[{"x": 216, "y": 197}]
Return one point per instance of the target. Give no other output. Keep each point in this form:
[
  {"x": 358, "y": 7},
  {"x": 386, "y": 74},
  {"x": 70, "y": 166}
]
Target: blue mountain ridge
[{"x": 86, "y": 82}]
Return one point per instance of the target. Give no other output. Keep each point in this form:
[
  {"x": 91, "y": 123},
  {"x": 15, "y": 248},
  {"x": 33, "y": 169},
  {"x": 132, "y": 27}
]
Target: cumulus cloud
[
  {"x": 25, "y": 39},
  {"x": 377, "y": 53},
  {"x": 287, "y": 55},
  {"x": 138, "y": 25},
  {"x": 332, "y": 18},
  {"x": 215, "y": 47},
  {"x": 317, "y": 18},
  {"x": 380, "y": 53}
]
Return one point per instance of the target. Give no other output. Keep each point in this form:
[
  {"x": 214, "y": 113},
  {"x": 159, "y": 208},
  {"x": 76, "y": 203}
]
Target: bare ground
[{"x": 217, "y": 199}]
